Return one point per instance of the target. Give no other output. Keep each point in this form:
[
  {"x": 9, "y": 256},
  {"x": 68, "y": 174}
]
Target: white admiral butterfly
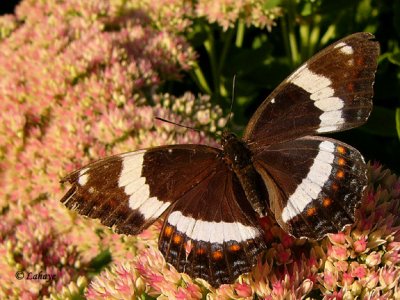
[{"x": 211, "y": 198}]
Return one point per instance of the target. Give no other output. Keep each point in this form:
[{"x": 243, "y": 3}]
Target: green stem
[
  {"x": 398, "y": 122},
  {"x": 225, "y": 50},
  {"x": 314, "y": 40},
  {"x": 292, "y": 35},
  {"x": 209, "y": 45},
  {"x": 240, "y": 33},
  {"x": 288, "y": 29},
  {"x": 199, "y": 77},
  {"x": 285, "y": 39},
  {"x": 329, "y": 33},
  {"x": 305, "y": 41}
]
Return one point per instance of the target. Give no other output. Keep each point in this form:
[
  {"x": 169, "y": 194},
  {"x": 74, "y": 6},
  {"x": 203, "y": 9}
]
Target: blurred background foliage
[{"x": 262, "y": 58}]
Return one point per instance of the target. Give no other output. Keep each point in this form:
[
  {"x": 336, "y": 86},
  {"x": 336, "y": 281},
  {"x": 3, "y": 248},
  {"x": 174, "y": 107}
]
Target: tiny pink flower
[
  {"x": 334, "y": 296},
  {"x": 278, "y": 288},
  {"x": 358, "y": 270},
  {"x": 393, "y": 246},
  {"x": 338, "y": 252},
  {"x": 347, "y": 279},
  {"x": 341, "y": 265},
  {"x": 391, "y": 257},
  {"x": 243, "y": 290},
  {"x": 373, "y": 259},
  {"x": 360, "y": 245},
  {"x": 338, "y": 238},
  {"x": 372, "y": 280},
  {"x": 330, "y": 280},
  {"x": 389, "y": 277}
]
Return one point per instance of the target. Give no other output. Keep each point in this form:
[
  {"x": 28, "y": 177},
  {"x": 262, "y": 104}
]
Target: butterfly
[{"x": 211, "y": 199}]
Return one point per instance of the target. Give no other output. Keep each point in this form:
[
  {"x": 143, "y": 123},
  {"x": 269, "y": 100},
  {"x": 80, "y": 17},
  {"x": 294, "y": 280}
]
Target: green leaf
[
  {"x": 394, "y": 58},
  {"x": 382, "y": 122},
  {"x": 101, "y": 260},
  {"x": 272, "y": 4},
  {"x": 146, "y": 296},
  {"x": 197, "y": 35}
]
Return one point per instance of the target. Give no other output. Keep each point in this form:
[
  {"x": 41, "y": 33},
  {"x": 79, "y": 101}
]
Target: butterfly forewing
[
  {"x": 132, "y": 190},
  {"x": 96, "y": 193},
  {"x": 315, "y": 184},
  {"x": 330, "y": 92}
]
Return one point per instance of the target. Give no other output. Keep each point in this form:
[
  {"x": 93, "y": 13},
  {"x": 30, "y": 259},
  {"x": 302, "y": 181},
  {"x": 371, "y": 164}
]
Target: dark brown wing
[
  {"x": 330, "y": 92},
  {"x": 132, "y": 190},
  {"x": 314, "y": 183},
  {"x": 211, "y": 232}
]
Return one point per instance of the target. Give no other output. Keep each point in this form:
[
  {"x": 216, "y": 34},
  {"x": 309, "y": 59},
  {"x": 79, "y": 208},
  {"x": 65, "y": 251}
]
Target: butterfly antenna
[
  {"x": 233, "y": 98},
  {"x": 180, "y": 125}
]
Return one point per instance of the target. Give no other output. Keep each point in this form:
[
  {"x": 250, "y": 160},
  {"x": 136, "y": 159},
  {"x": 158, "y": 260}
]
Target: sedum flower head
[
  {"x": 180, "y": 15},
  {"x": 361, "y": 262},
  {"x": 78, "y": 82},
  {"x": 227, "y": 12}
]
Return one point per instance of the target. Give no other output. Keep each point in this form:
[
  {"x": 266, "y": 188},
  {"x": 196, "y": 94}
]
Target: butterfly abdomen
[{"x": 238, "y": 157}]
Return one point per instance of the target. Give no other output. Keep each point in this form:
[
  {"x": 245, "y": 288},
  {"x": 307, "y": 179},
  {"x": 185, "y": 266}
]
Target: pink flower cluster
[
  {"x": 227, "y": 12},
  {"x": 32, "y": 244},
  {"x": 78, "y": 81},
  {"x": 177, "y": 16},
  {"x": 362, "y": 262}
]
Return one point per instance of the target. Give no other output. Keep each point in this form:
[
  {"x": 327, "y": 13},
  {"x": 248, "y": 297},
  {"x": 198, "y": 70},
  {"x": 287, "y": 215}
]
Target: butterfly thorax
[{"x": 238, "y": 158}]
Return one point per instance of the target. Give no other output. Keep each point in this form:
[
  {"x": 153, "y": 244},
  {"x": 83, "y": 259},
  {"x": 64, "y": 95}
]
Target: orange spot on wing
[
  {"x": 311, "y": 211},
  {"x": 340, "y": 174},
  {"x": 341, "y": 149},
  {"x": 341, "y": 161},
  {"x": 334, "y": 186},
  {"x": 326, "y": 202},
  {"x": 217, "y": 255},
  {"x": 200, "y": 251},
  {"x": 177, "y": 238},
  {"x": 168, "y": 231},
  {"x": 234, "y": 247}
]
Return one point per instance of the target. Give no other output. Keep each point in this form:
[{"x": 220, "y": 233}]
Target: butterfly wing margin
[
  {"x": 330, "y": 92},
  {"x": 212, "y": 232},
  {"x": 130, "y": 191},
  {"x": 315, "y": 184}
]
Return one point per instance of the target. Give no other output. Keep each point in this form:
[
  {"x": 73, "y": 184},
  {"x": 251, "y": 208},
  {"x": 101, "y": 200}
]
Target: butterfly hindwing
[
  {"x": 330, "y": 92},
  {"x": 315, "y": 184},
  {"x": 211, "y": 232}
]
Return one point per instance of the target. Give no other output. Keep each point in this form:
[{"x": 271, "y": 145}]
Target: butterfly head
[
  {"x": 227, "y": 137},
  {"x": 235, "y": 151}
]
